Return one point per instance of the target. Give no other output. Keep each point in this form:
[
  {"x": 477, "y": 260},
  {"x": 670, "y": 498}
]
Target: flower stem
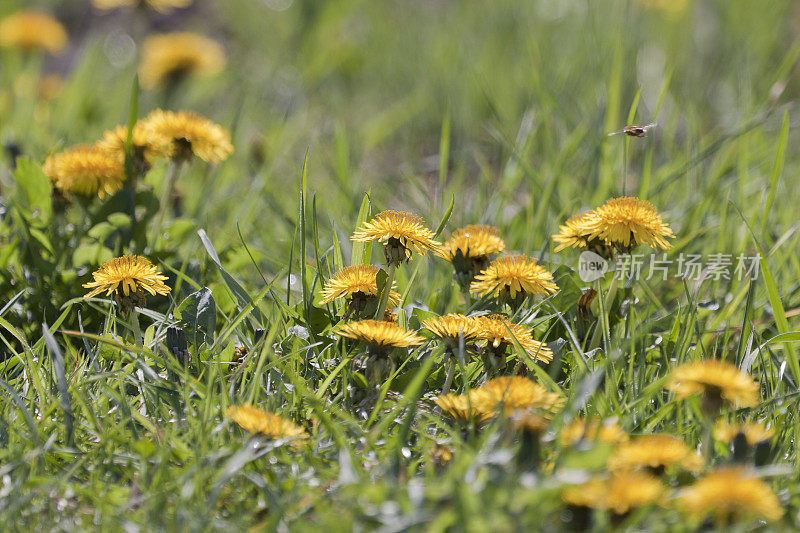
[
  {"x": 604, "y": 325},
  {"x": 451, "y": 370},
  {"x": 137, "y": 330},
  {"x": 165, "y": 199},
  {"x": 385, "y": 293}
]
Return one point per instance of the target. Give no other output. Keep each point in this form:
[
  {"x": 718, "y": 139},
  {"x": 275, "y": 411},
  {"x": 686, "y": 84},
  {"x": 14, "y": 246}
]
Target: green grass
[{"x": 345, "y": 108}]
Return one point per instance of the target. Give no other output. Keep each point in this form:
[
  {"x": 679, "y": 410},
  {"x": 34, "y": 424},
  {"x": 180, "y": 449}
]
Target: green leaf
[
  {"x": 34, "y": 189},
  {"x": 362, "y": 250},
  {"x": 199, "y": 314}
]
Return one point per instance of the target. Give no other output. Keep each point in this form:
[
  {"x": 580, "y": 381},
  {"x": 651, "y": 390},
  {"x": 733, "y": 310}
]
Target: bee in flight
[{"x": 635, "y": 131}]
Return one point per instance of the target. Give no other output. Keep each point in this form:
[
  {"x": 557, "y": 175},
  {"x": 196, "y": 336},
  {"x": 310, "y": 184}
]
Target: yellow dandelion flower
[
  {"x": 188, "y": 133},
  {"x": 513, "y": 275},
  {"x": 87, "y": 170},
  {"x": 462, "y": 407},
  {"x": 605, "y": 431},
  {"x": 627, "y": 222},
  {"x": 715, "y": 381},
  {"x": 472, "y": 242},
  {"x": 619, "y": 493},
  {"x": 353, "y": 281},
  {"x": 452, "y": 327},
  {"x": 499, "y": 334},
  {"x": 162, "y": 6},
  {"x": 754, "y": 432},
  {"x": 170, "y": 57},
  {"x": 731, "y": 495},
  {"x": 402, "y": 234},
  {"x": 655, "y": 452},
  {"x": 575, "y": 232},
  {"x": 130, "y": 274},
  {"x": 379, "y": 333},
  {"x": 509, "y": 394},
  {"x": 273, "y": 426},
  {"x": 146, "y": 147},
  {"x": 441, "y": 454},
  {"x": 32, "y": 30}
]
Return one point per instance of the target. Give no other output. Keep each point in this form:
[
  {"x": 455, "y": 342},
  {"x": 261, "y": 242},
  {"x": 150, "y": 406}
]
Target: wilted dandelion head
[
  {"x": 655, "y": 452},
  {"x": 187, "y": 133},
  {"x": 716, "y": 381},
  {"x": 452, "y": 327},
  {"x": 619, "y": 493},
  {"x": 511, "y": 394},
  {"x": 627, "y": 222},
  {"x": 170, "y": 57},
  {"x": 32, "y": 30},
  {"x": 146, "y": 146},
  {"x": 472, "y": 242},
  {"x": 512, "y": 277},
  {"x": 162, "y": 6},
  {"x": 380, "y": 334},
  {"x": 594, "y": 430},
  {"x": 273, "y": 426},
  {"x": 754, "y": 432},
  {"x": 401, "y": 233},
  {"x": 499, "y": 334},
  {"x": 87, "y": 170},
  {"x": 730, "y": 495},
  {"x": 355, "y": 282},
  {"x": 575, "y": 232}
]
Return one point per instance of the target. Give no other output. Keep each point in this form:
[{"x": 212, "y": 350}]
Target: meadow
[{"x": 399, "y": 265}]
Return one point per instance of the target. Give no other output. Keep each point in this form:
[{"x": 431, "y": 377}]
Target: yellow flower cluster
[
  {"x": 99, "y": 168},
  {"x": 273, "y": 426},
  {"x": 170, "y": 57}
]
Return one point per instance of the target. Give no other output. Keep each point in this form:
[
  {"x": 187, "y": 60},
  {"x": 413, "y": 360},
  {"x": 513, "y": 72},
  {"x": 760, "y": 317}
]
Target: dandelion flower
[
  {"x": 716, "y": 381},
  {"x": 627, "y": 222},
  {"x": 358, "y": 284},
  {"x": 605, "y": 431},
  {"x": 575, "y": 232},
  {"x": 473, "y": 242},
  {"x": 146, "y": 147},
  {"x": 441, "y": 454},
  {"x": 380, "y": 334},
  {"x": 130, "y": 274},
  {"x": 188, "y": 133},
  {"x": 754, "y": 432},
  {"x": 501, "y": 334},
  {"x": 452, "y": 327},
  {"x": 402, "y": 234},
  {"x": 128, "y": 278},
  {"x": 655, "y": 452},
  {"x": 461, "y": 407},
  {"x": 87, "y": 170},
  {"x": 731, "y": 495},
  {"x": 510, "y": 394},
  {"x": 273, "y": 426},
  {"x": 619, "y": 493},
  {"x": 170, "y": 57},
  {"x": 512, "y": 277},
  {"x": 470, "y": 249},
  {"x": 32, "y": 30},
  {"x": 162, "y": 6}
]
